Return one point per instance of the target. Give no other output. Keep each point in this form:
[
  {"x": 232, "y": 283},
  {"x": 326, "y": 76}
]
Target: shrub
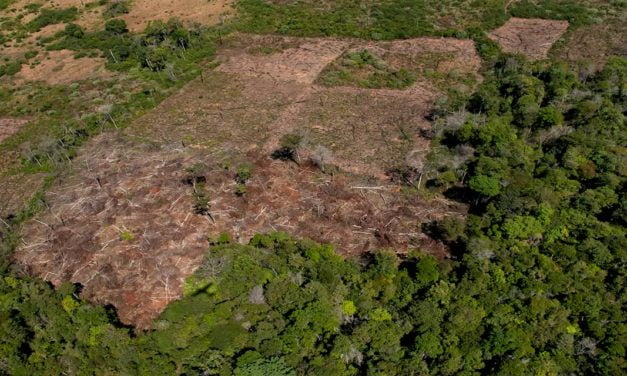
[
  {"x": 52, "y": 16},
  {"x": 10, "y": 68},
  {"x": 73, "y": 30},
  {"x": 116, "y": 8},
  {"x": 116, "y": 26}
]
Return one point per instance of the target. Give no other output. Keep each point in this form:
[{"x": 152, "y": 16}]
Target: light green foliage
[
  {"x": 364, "y": 69},
  {"x": 485, "y": 185},
  {"x": 348, "y": 308}
]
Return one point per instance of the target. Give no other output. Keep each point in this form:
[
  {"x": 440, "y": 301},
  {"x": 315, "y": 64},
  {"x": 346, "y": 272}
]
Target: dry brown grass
[
  {"x": 60, "y": 67},
  {"x": 530, "y": 37},
  {"x": 204, "y": 12},
  {"x": 594, "y": 44}
]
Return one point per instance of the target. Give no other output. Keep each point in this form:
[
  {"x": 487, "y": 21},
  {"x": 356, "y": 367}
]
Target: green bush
[
  {"x": 10, "y": 68},
  {"x": 116, "y": 8},
  {"x": 48, "y": 16},
  {"x": 73, "y": 30},
  {"x": 116, "y": 26},
  {"x": 4, "y": 4}
]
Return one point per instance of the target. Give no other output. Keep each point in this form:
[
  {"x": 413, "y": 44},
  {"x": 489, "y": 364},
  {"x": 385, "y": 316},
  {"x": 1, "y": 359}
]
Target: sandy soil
[
  {"x": 60, "y": 67},
  {"x": 530, "y": 37},
  {"x": 205, "y": 12}
]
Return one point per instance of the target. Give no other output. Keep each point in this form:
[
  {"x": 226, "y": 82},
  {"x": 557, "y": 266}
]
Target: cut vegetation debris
[
  {"x": 130, "y": 223},
  {"x": 126, "y": 223},
  {"x": 530, "y": 37}
]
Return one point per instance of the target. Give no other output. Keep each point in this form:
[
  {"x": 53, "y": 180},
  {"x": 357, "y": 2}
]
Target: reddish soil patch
[
  {"x": 8, "y": 126},
  {"x": 60, "y": 67},
  {"x": 205, "y": 12},
  {"x": 123, "y": 224},
  {"x": 529, "y": 36}
]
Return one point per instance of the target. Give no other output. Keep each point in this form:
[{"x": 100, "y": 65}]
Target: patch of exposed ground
[
  {"x": 16, "y": 191},
  {"x": 9, "y": 125},
  {"x": 60, "y": 67},
  {"x": 531, "y": 37},
  {"x": 204, "y": 12},
  {"x": 123, "y": 223},
  {"x": 301, "y": 63},
  {"x": 594, "y": 44}
]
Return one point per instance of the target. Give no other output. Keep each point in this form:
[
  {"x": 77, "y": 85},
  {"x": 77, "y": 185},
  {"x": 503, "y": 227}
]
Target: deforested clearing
[
  {"x": 204, "y": 12},
  {"x": 134, "y": 217},
  {"x": 530, "y": 37}
]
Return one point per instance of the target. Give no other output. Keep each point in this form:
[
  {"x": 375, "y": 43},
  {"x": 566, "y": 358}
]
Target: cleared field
[
  {"x": 204, "y": 12},
  {"x": 530, "y": 37},
  {"x": 130, "y": 221}
]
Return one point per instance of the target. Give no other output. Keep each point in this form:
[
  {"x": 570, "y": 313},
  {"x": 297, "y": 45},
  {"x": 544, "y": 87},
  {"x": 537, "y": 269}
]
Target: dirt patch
[
  {"x": 265, "y": 88},
  {"x": 447, "y": 54},
  {"x": 123, "y": 223},
  {"x": 531, "y": 37},
  {"x": 8, "y": 126},
  {"x": 204, "y": 12},
  {"x": 60, "y": 67}
]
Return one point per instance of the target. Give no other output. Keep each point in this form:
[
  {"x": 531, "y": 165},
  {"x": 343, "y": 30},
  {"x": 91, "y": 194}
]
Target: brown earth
[
  {"x": 531, "y": 37},
  {"x": 123, "y": 223},
  {"x": 9, "y": 125},
  {"x": 60, "y": 67},
  {"x": 204, "y": 12}
]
